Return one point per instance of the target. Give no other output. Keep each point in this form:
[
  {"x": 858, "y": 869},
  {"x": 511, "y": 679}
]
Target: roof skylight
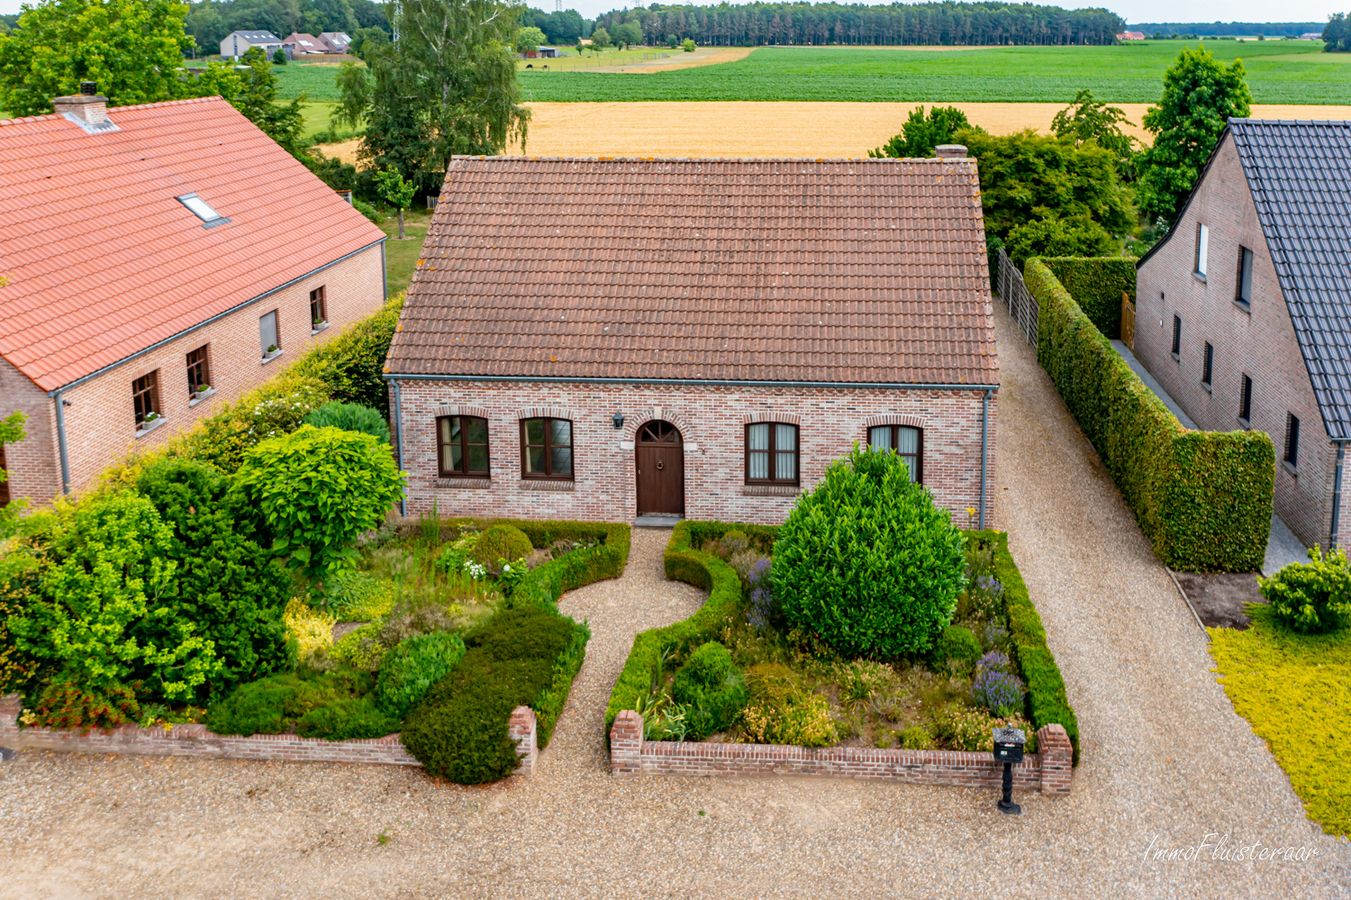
[{"x": 202, "y": 210}]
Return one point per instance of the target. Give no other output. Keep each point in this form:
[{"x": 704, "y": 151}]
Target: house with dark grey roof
[
  {"x": 1243, "y": 310},
  {"x": 608, "y": 338},
  {"x": 237, "y": 43}
]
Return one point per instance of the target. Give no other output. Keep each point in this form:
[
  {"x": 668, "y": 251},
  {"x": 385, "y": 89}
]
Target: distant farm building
[{"x": 237, "y": 43}]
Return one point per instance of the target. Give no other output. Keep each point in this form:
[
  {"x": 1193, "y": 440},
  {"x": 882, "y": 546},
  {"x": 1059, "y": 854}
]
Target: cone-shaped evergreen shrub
[{"x": 867, "y": 561}]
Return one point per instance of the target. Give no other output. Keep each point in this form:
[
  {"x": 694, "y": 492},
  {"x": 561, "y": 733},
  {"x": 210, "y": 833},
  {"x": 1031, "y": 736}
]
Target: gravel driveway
[{"x": 1165, "y": 760}]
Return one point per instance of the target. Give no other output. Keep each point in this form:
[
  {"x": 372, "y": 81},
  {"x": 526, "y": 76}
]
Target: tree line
[
  {"x": 943, "y": 24},
  {"x": 1237, "y": 29},
  {"x": 1337, "y": 34}
]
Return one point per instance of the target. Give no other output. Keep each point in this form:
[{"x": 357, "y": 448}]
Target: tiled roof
[
  {"x": 1300, "y": 177},
  {"x": 746, "y": 270},
  {"x": 103, "y": 261},
  {"x": 256, "y": 37}
]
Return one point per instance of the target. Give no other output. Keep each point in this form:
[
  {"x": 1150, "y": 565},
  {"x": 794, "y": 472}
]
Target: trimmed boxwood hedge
[
  {"x": 526, "y": 655},
  {"x": 1203, "y": 498},
  {"x": 1046, "y": 699},
  {"x": 1097, "y": 284}
]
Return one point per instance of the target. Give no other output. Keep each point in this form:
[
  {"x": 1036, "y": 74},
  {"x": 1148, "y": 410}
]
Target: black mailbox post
[{"x": 1008, "y": 749}]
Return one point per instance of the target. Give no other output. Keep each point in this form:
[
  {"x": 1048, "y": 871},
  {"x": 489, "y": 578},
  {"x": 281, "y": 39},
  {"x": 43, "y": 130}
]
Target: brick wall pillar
[
  {"x": 10, "y": 704},
  {"x": 521, "y": 729},
  {"x": 1057, "y": 760},
  {"x": 626, "y": 744}
]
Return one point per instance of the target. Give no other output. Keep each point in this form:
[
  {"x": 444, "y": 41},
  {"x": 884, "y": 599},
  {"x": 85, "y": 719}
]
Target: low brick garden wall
[
  {"x": 199, "y": 741},
  {"x": 1048, "y": 770}
]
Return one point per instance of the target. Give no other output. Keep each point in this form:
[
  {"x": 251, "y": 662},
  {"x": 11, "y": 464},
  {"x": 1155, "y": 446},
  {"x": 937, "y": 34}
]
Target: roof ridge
[
  {"x": 46, "y": 116},
  {"x": 720, "y": 159}
]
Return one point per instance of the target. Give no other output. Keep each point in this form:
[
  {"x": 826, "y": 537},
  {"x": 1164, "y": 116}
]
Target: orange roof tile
[{"x": 102, "y": 259}]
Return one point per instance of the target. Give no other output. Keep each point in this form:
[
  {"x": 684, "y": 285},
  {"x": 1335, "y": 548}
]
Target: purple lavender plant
[
  {"x": 995, "y": 661},
  {"x": 760, "y": 592},
  {"x": 994, "y": 635},
  {"x": 999, "y": 692}
]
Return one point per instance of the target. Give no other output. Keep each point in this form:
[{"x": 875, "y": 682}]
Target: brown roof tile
[
  {"x": 103, "y": 261},
  {"x": 756, "y": 270}
]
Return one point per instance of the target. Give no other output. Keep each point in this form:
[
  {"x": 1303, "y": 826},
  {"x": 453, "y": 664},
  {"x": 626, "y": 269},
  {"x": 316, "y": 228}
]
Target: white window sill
[
  {"x": 1244, "y": 424},
  {"x": 198, "y": 398},
  {"x": 1285, "y": 464},
  {"x": 1246, "y": 307},
  {"x": 268, "y": 357},
  {"x": 322, "y": 326},
  {"x": 147, "y": 427},
  {"x": 1199, "y": 276},
  {"x": 1206, "y": 386}
]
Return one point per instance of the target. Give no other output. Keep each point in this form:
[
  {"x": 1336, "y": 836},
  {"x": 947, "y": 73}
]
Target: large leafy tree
[
  {"x": 1337, "y": 33},
  {"x": 1199, "y": 97},
  {"x": 1087, "y": 119},
  {"x": 921, "y": 133},
  {"x": 132, "y": 48},
  {"x": 1043, "y": 194},
  {"x": 446, "y": 86}
]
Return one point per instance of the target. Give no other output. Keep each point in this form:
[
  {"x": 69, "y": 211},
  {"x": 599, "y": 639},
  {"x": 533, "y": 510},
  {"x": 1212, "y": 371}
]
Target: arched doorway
[{"x": 661, "y": 469}]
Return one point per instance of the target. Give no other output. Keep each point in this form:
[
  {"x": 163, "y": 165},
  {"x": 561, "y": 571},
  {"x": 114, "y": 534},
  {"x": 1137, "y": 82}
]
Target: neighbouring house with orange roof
[
  {"x": 298, "y": 44},
  {"x": 157, "y": 261}
]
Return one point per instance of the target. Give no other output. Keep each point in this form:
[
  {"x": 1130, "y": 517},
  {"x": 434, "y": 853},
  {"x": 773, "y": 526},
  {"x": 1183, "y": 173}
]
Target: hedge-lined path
[
  {"x": 1163, "y": 755},
  {"x": 617, "y": 610}
]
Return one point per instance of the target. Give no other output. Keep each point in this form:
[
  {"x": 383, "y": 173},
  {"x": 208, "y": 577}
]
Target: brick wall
[
  {"x": 199, "y": 741},
  {"x": 712, "y": 423},
  {"x": 1259, "y": 342},
  {"x": 32, "y": 463},
  {"x": 100, "y": 420},
  {"x": 1048, "y": 771}
]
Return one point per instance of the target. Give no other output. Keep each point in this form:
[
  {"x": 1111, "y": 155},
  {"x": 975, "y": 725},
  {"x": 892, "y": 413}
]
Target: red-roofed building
[{"x": 149, "y": 251}]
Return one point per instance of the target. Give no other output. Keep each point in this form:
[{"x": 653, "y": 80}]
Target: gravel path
[{"x": 1164, "y": 755}]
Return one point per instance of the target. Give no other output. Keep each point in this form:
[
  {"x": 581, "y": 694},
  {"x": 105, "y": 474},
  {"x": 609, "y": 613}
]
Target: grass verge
[{"x": 1295, "y": 690}]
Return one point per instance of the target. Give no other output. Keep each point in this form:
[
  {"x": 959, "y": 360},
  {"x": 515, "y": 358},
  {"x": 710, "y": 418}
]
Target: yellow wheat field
[{"x": 829, "y": 130}]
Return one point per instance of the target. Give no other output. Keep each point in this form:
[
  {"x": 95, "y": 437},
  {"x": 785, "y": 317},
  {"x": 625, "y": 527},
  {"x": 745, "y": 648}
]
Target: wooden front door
[{"x": 661, "y": 470}]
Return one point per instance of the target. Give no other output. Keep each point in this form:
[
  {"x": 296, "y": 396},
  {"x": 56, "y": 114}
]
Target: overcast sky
[{"x": 1131, "y": 10}]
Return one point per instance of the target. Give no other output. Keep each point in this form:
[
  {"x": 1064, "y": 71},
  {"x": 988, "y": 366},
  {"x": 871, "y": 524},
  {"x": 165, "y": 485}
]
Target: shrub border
[{"x": 1047, "y": 702}]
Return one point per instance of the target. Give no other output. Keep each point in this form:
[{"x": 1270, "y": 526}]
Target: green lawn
[
  {"x": 315, "y": 82},
  {"x": 401, "y": 256},
  {"x": 1296, "y": 692},
  {"x": 1278, "y": 72}
]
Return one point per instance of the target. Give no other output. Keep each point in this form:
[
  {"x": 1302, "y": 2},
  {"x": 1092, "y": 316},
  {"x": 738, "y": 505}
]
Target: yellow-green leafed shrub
[
  {"x": 1203, "y": 498},
  {"x": 971, "y": 729},
  {"x": 312, "y": 630},
  {"x": 354, "y": 596},
  {"x": 360, "y": 648},
  {"x": 780, "y": 711},
  {"x": 1295, "y": 689}
]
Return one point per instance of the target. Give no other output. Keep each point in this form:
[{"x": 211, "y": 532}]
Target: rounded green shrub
[
  {"x": 350, "y": 417},
  {"x": 712, "y": 689},
  {"x": 351, "y": 718},
  {"x": 917, "y": 737},
  {"x": 956, "y": 642},
  {"x": 500, "y": 543},
  {"x": 867, "y": 561},
  {"x": 278, "y": 703},
  {"x": 414, "y": 666},
  {"x": 459, "y": 730},
  {"x": 1312, "y": 597}
]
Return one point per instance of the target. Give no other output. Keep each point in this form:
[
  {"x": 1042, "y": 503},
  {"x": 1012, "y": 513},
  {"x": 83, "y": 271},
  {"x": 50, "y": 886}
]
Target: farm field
[
  {"x": 832, "y": 130},
  {"x": 1284, "y": 72}
]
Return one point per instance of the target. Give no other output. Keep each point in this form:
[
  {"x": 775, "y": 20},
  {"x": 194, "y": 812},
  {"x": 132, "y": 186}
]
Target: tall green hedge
[
  {"x": 1096, "y": 284},
  {"x": 1203, "y": 498},
  {"x": 1046, "y": 700}
]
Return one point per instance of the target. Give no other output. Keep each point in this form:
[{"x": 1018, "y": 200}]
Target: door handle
[{"x": 659, "y": 464}]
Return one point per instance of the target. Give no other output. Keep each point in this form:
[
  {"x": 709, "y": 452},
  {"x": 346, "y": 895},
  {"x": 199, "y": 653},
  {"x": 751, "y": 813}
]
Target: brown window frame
[
  {"x": 202, "y": 365},
  {"x": 773, "y": 452},
  {"x": 442, "y": 448},
  {"x": 895, "y": 446},
  {"x": 318, "y": 307},
  {"x": 548, "y": 447},
  {"x": 145, "y": 397},
  {"x": 4, "y": 485}
]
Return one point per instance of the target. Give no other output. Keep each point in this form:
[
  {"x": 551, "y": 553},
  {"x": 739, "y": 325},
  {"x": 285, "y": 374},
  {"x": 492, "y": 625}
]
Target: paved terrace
[{"x": 1165, "y": 763}]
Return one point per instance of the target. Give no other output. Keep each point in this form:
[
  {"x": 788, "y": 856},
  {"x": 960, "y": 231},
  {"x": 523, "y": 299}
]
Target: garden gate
[{"x": 1020, "y": 303}]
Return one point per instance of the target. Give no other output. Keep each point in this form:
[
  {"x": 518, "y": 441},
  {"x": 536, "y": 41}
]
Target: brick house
[
  {"x": 150, "y": 251},
  {"x": 601, "y": 339},
  {"x": 1244, "y": 308}
]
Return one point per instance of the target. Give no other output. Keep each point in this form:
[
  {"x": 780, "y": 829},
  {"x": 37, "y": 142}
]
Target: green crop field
[{"x": 1278, "y": 72}]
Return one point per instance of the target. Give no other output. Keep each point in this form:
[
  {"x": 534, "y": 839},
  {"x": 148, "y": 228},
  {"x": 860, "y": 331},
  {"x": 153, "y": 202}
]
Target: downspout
[
  {"x": 384, "y": 275},
  {"x": 1336, "y": 496},
  {"x": 984, "y": 450},
  {"x": 398, "y": 443},
  {"x": 61, "y": 445}
]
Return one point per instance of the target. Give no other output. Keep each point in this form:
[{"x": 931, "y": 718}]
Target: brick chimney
[
  {"x": 950, "y": 151},
  {"x": 87, "y": 106}
]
